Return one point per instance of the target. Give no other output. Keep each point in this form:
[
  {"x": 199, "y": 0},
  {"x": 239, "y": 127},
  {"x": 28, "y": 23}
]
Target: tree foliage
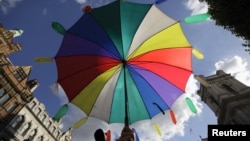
[{"x": 233, "y": 15}]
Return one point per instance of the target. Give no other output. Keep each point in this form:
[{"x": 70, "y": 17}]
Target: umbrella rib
[
  {"x": 152, "y": 61},
  {"x": 84, "y": 69},
  {"x": 99, "y": 45},
  {"x": 161, "y": 76},
  {"x": 108, "y": 36},
  {"x": 146, "y": 62},
  {"x": 141, "y": 95},
  {"x": 131, "y": 54}
]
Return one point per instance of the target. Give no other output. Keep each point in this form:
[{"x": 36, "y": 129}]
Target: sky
[{"x": 221, "y": 50}]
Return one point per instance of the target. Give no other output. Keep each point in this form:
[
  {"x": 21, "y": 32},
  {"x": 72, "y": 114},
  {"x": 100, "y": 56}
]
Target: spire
[
  {"x": 32, "y": 84},
  {"x": 17, "y": 32},
  {"x": 202, "y": 80}
]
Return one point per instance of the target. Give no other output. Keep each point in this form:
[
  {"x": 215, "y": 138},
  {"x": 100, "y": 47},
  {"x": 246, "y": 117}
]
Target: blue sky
[{"x": 221, "y": 50}]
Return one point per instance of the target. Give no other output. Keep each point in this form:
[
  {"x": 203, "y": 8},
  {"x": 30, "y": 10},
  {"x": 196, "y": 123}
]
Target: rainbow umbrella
[{"x": 123, "y": 62}]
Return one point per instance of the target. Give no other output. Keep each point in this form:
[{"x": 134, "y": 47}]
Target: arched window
[
  {"x": 40, "y": 138},
  {"x": 52, "y": 129},
  {"x": 12, "y": 107},
  {"x": 24, "y": 129},
  {"x": 37, "y": 111},
  {"x": 4, "y": 99},
  {"x": 2, "y": 90},
  {"x": 18, "y": 121},
  {"x": 32, "y": 134},
  {"x": 67, "y": 139},
  {"x": 56, "y": 133},
  {"x": 42, "y": 117},
  {"x": 47, "y": 123},
  {"x": 32, "y": 104}
]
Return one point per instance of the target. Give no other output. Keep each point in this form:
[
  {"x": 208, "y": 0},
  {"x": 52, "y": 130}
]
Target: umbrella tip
[
  {"x": 159, "y": 1},
  {"x": 87, "y": 9}
]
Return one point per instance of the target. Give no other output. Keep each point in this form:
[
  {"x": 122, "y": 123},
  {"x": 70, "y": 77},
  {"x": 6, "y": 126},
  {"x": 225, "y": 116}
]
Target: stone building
[
  {"x": 22, "y": 116},
  {"x": 15, "y": 90},
  {"x": 227, "y": 97},
  {"x": 33, "y": 123},
  {"x": 204, "y": 139}
]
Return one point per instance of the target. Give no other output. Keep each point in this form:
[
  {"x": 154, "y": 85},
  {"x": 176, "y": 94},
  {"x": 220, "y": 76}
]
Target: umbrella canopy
[{"x": 124, "y": 60}]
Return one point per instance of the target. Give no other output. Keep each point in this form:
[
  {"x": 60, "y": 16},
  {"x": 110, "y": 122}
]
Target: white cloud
[
  {"x": 237, "y": 67},
  {"x": 144, "y": 128},
  {"x": 196, "y": 6},
  {"x": 81, "y": 1},
  {"x": 58, "y": 90},
  {"x": 94, "y": 3},
  {"x": 6, "y": 5},
  {"x": 45, "y": 11},
  {"x": 232, "y": 65}
]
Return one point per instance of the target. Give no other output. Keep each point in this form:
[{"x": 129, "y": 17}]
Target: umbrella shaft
[{"x": 126, "y": 96}]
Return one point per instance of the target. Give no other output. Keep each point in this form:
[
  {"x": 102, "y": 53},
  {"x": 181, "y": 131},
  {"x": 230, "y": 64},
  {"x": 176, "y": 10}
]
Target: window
[
  {"x": 24, "y": 129},
  {"x": 2, "y": 90},
  {"x": 40, "y": 138},
  {"x": 56, "y": 134},
  {"x": 1, "y": 62},
  {"x": 1, "y": 42},
  {"x": 32, "y": 134},
  {"x": 32, "y": 104},
  {"x": 228, "y": 88},
  {"x": 19, "y": 74},
  {"x": 12, "y": 107},
  {"x": 47, "y": 123},
  {"x": 213, "y": 100},
  {"x": 38, "y": 111},
  {"x": 18, "y": 121},
  {"x": 4, "y": 99},
  {"x": 42, "y": 117},
  {"x": 52, "y": 129},
  {"x": 67, "y": 139}
]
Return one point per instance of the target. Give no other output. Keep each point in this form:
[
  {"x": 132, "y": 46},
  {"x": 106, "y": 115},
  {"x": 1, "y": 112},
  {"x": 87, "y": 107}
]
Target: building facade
[
  {"x": 33, "y": 123},
  {"x": 15, "y": 88},
  {"x": 227, "y": 97},
  {"x": 205, "y": 139},
  {"x": 22, "y": 116}
]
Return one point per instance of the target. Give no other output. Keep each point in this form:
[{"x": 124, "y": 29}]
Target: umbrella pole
[{"x": 126, "y": 95}]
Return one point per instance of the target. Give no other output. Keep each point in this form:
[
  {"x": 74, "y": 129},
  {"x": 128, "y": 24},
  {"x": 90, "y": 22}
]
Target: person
[
  {"x": 126, "y": 135},
  {"x": 99, "y": 135}
]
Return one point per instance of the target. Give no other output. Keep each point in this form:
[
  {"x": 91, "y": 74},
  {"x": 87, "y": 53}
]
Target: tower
[
  {"x": 227, "y": 97},
  {"x": 7, "y": 46}
]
